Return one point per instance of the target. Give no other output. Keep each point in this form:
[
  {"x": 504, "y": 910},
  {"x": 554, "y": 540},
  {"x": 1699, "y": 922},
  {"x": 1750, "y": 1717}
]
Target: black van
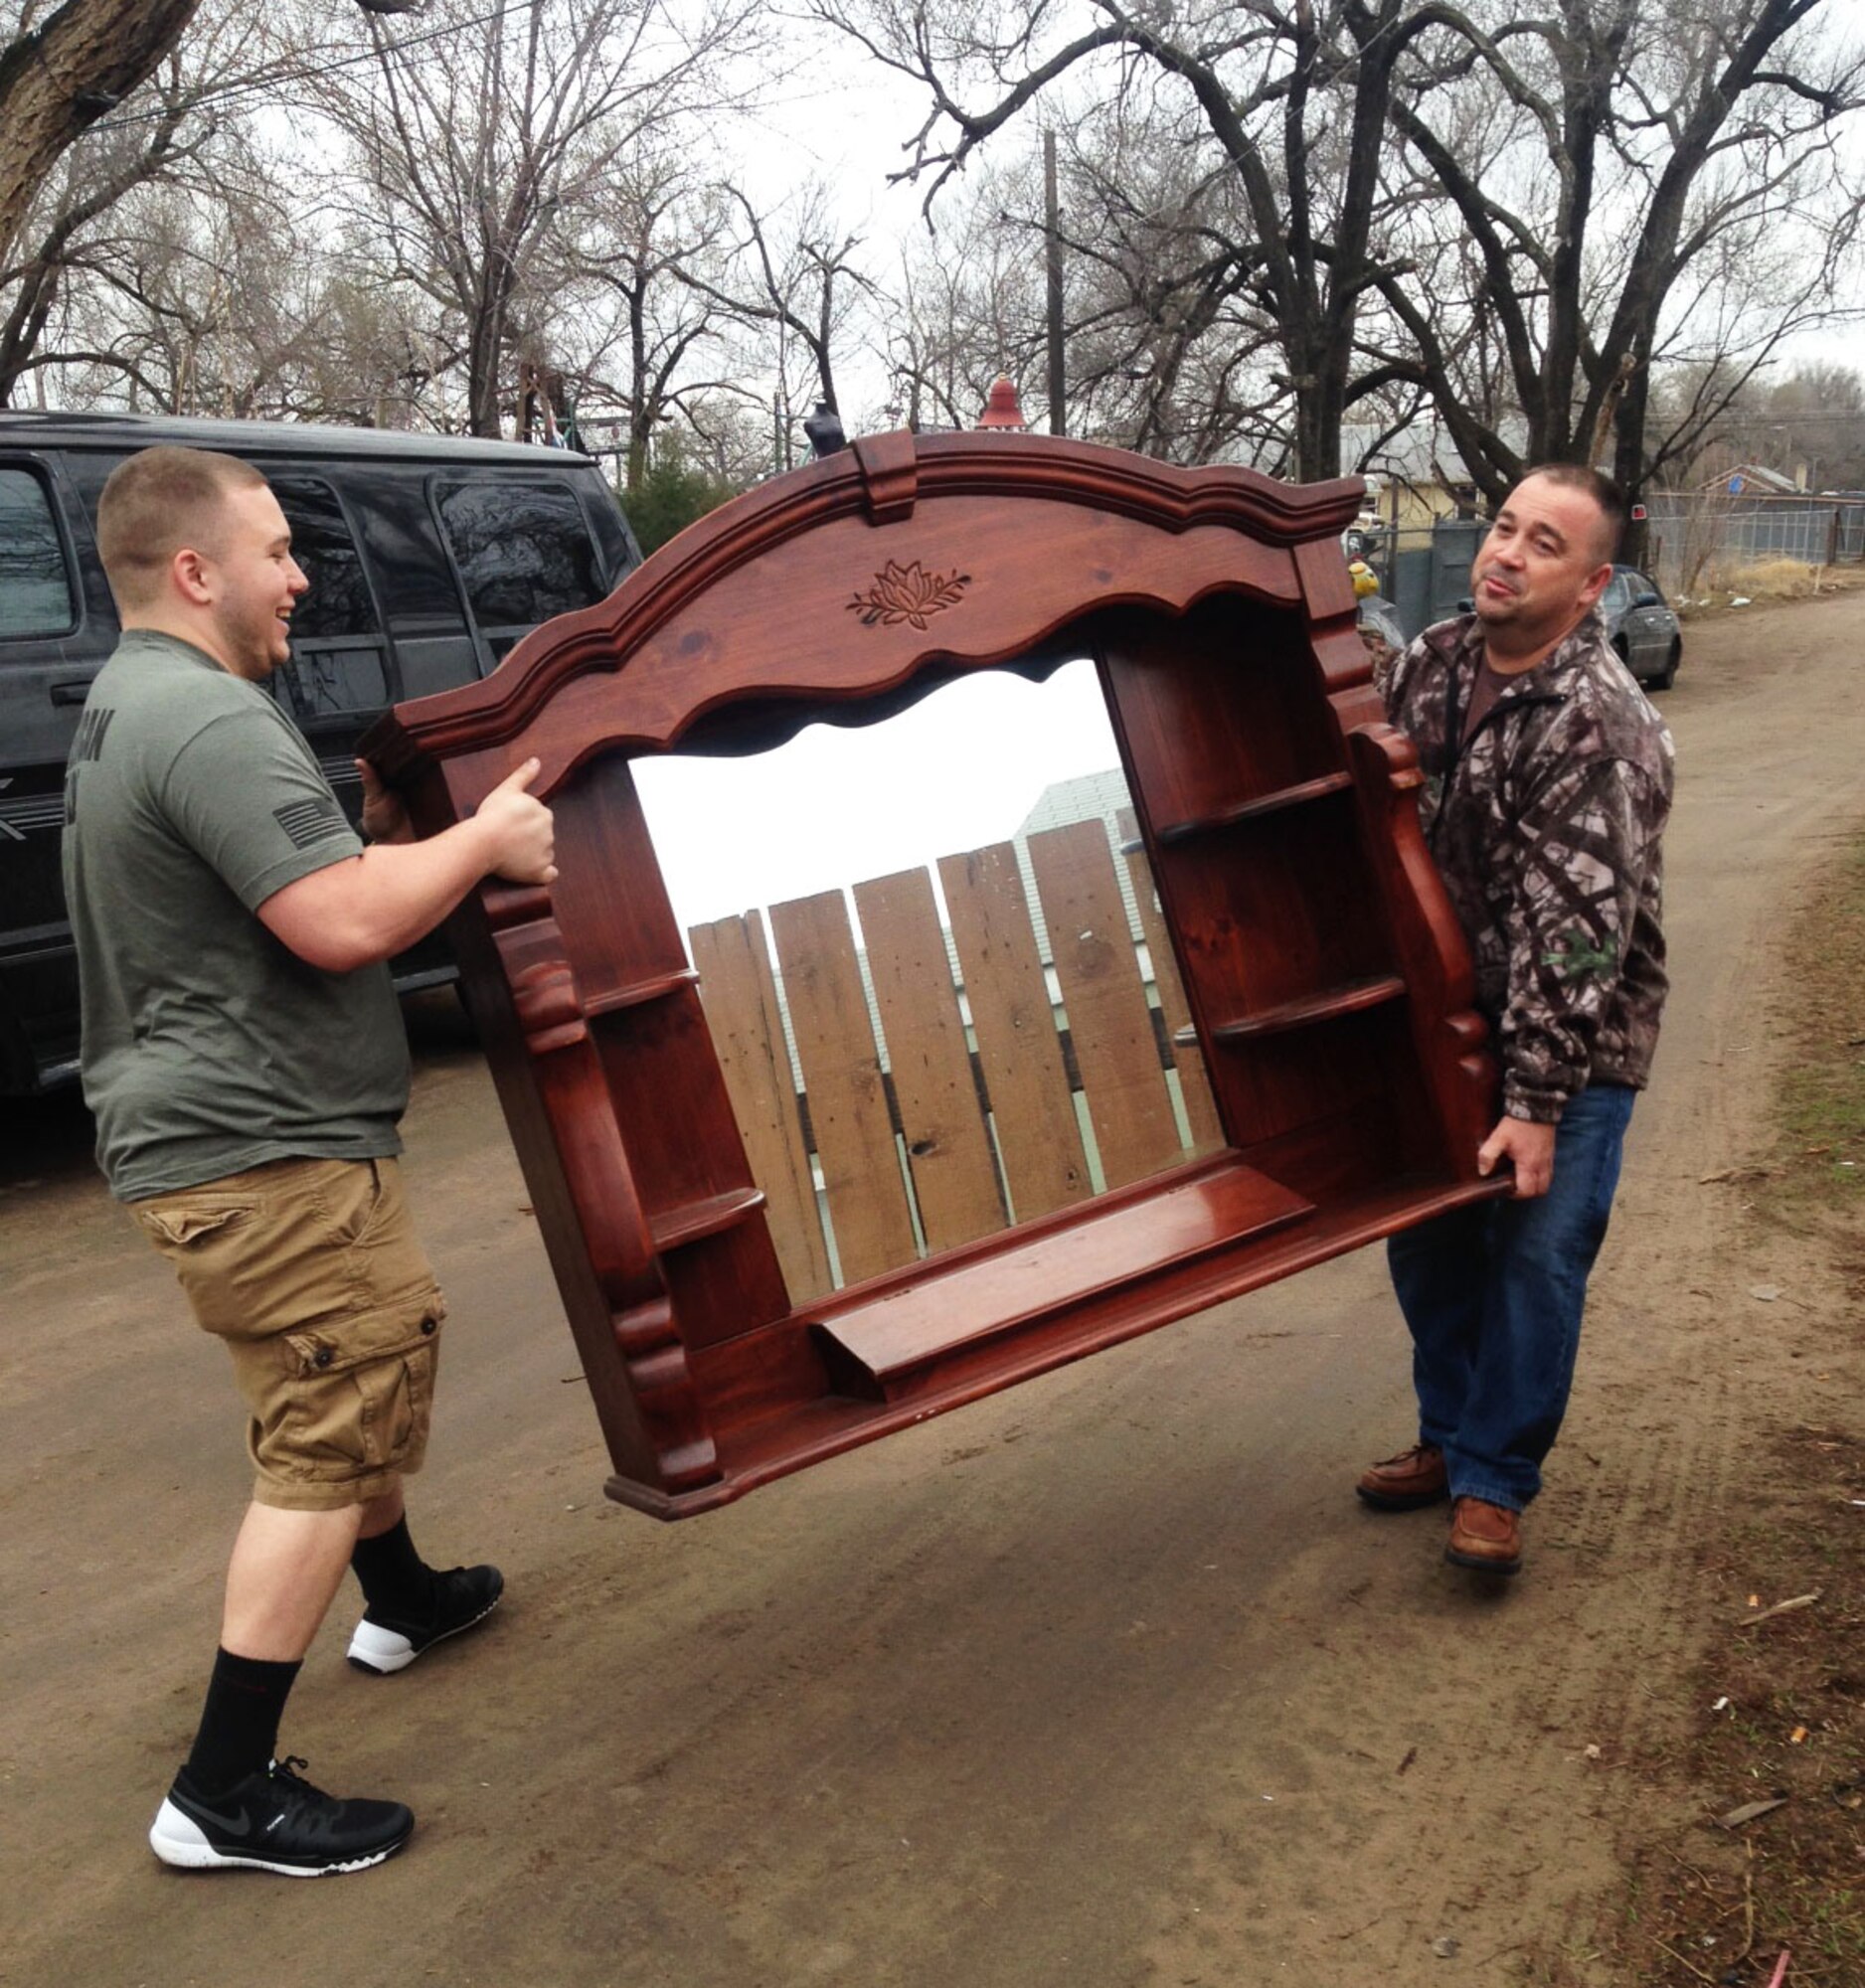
[{"x": 428, "y": 557}]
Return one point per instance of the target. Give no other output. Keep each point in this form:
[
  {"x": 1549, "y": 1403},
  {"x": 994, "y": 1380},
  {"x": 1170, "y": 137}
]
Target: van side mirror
[{"x": 1647, "y": 600}]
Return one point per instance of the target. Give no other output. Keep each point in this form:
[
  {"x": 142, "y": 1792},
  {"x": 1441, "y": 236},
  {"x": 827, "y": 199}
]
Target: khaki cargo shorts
[{"x": 310, "y": 1271}]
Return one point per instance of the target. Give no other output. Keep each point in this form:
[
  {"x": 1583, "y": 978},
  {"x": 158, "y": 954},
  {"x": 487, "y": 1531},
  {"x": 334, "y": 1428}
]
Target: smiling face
[
  {"x": 254, "y": 581},
  {"x": 1544, "y": 564}
]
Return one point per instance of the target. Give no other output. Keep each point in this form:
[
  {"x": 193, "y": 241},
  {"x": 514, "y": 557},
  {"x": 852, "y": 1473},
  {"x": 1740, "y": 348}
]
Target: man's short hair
[
  {"x": 155, "y": 503},
  {"x": 1605, "y": 493}
]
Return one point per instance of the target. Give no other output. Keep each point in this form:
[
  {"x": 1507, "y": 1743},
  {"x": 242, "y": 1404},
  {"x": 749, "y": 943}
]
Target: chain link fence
[{"x": 1700, "y": 540}]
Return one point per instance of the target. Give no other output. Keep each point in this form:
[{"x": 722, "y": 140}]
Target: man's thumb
[{"x": 520, "y": 780}]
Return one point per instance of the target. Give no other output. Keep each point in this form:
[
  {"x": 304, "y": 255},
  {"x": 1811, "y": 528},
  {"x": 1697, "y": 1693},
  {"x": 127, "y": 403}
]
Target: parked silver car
[{"x": 1643, "y": 627}]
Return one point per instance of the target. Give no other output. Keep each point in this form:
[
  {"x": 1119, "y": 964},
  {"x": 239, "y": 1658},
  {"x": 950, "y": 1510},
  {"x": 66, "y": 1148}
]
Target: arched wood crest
[{"x": 1323, "y": 976}]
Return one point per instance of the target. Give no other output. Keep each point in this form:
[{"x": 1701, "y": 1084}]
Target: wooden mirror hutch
[{"x": 1311, "y": 988}]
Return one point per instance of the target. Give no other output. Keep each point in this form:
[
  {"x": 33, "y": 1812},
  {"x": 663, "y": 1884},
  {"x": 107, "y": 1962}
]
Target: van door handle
[{"x": 71, "y": 693}]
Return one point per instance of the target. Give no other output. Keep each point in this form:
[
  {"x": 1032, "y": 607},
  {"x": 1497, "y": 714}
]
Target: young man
[
  {"x": 1548, "y": 783},
  {"x": 245, "y": 1059}
]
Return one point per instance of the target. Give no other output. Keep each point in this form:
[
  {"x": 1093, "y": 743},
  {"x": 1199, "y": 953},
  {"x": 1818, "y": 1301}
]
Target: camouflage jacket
[{"x": 1547, "y": 830}]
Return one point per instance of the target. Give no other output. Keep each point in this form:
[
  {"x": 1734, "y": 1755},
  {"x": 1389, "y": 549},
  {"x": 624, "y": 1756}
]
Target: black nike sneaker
[
  {"x": 462, "y": 1596},
  {"x": 272, "y": 1821}
]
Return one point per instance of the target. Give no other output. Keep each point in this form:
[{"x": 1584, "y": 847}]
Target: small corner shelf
[
  {"x": 1298, "y": 796},
  {"x": 1351, "y": 997},
  {"x": 639, "y": 992},
  {"x": 694, "y": 1220}
]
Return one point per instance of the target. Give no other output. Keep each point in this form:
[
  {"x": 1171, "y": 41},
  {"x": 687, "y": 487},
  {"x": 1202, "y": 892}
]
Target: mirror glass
[{"x": 928, "y": 950}]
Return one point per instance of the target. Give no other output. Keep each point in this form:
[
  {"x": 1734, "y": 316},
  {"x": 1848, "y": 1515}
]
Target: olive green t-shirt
[{"x": 209, "y": 1045}]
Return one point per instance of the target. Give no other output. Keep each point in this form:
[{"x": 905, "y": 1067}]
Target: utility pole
[{"x": 1052, "y": 240}]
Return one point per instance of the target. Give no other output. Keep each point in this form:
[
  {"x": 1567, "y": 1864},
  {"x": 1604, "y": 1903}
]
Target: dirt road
[{"x": 1107, "y": 1681}]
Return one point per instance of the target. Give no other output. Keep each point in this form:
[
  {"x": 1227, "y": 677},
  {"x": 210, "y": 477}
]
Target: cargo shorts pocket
[
  {"x": 354, "y": 1398},
  {"x": 206, "y": 1239}
]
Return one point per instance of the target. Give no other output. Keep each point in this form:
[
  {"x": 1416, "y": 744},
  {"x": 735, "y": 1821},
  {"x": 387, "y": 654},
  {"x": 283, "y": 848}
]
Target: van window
[
  {"x": 524, "y": 552},
  {"x": 339, "y": 602},
  {"x": 36, "y": 595},
  {"x": 339, "y": 667}
]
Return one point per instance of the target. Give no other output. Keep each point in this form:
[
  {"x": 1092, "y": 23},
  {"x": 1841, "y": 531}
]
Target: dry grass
[
  {"x": 1816, "y": 1172},
  {"x": 1767, "y": 580},
  {"x": 1777, "y": 1708},
  {"x": 1720, "y": 1903},
  {"x": 1775, "y": 580}
]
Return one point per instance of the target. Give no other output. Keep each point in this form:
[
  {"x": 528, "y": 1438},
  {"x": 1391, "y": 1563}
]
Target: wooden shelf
[
  {"x": 784, "y": 1437},
  {"x": 878, "y": 1346},
  {"x": 1350, "y": 998},
  {"x": 641, "y": 992},
  {"x": 694, "y": 1220},
  {"x": 1298, "y": 796}
]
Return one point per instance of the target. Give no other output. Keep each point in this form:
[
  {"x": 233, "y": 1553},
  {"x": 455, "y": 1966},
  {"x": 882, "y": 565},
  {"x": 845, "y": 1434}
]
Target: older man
[
  {"x": 1548, "y": 783},
  {"x": 245, "y": 1059}
]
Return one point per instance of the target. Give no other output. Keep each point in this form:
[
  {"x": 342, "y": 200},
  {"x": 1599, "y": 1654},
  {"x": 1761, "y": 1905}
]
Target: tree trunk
[
  {"x": 484, "y": 350},
  {"x": 1628, "y": 459},
  {"x": 58, "y": 81}
]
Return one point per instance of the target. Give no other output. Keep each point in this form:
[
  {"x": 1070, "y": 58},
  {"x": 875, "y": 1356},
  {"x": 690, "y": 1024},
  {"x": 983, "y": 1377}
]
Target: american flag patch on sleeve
[{"x": 310, "y": 821}]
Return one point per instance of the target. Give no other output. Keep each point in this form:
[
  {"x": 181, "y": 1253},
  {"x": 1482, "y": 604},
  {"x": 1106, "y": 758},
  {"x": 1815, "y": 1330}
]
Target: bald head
[{"x": 157, "y": 503}]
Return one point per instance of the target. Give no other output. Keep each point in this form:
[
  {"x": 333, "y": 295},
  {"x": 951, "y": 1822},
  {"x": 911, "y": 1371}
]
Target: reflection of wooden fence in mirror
[
  {"x": 1319, "y": 974},
  {"x": 921, "y": 1141}
]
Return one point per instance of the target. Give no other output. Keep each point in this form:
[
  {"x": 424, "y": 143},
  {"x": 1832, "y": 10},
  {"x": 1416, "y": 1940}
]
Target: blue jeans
[{"x": 1494, "y": 1297}]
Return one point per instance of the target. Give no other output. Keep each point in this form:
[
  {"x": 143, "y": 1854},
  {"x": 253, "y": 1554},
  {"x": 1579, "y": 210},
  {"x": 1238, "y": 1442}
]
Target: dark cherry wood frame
[{"x": 1329, "y": 983}]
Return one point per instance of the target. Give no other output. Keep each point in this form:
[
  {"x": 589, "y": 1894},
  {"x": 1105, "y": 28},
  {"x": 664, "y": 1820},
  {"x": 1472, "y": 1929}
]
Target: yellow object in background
[{"x": 1365, "y": 580}]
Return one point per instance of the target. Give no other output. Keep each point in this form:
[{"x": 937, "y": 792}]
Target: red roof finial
[{"x": 1001, "y": 410}]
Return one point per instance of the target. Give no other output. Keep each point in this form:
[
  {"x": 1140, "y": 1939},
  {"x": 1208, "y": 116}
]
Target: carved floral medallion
[{"x": 906, "y": 593}]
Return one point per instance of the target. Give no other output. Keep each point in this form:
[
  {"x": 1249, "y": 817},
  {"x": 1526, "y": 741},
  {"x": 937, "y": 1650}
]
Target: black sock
[
  {"x": 397, "y": 1582},
  {"x": 239, "y": 1733}
]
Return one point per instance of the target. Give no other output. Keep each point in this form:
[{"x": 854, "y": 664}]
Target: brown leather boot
[
  {"x": 1484, "y": 1536},
  {"x": 1402, "y": 1483}
]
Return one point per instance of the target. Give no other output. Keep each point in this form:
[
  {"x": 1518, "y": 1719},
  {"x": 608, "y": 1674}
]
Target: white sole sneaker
[
  {"x": 382, "y": 1651},
  {"x": 274, "y": 1821},
  {"x": 177, "y": 1840}
]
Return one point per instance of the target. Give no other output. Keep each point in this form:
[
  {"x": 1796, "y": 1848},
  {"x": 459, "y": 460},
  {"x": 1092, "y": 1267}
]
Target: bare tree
[
  {"x": 1170, "y": 351},
  {"x": 182, "y": 128},
  {"x": 201, "y": 299},
  {"x": 1808, "y": 424},
  {"x": 1520, "y": 258},
  {"x": 650, "y": 255},
  {"x": 63, "y": 67},
  {"x": 965, "y": 304},
  {"x": 1601, "y": 161},
  {"x": 59, "y": 235},
  {"x": 472, "y": 136},
  {"x": 60, "y": 72},
  {"x": 794, "y": 287},
  {"x": 1289, "y": 97},
  {"x": 803, "y": 282},
  {"x": 1167, "y": 350}
]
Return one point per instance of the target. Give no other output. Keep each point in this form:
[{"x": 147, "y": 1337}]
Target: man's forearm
[{"x": 371, "y": 906}]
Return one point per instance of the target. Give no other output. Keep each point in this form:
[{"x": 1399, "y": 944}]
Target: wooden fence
[{"x": 918, "y": 1141}]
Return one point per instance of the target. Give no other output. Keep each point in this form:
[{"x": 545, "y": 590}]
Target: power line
[
  {"x": 1741, "y": 417},
  {"x": 297, "y": 74}
]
